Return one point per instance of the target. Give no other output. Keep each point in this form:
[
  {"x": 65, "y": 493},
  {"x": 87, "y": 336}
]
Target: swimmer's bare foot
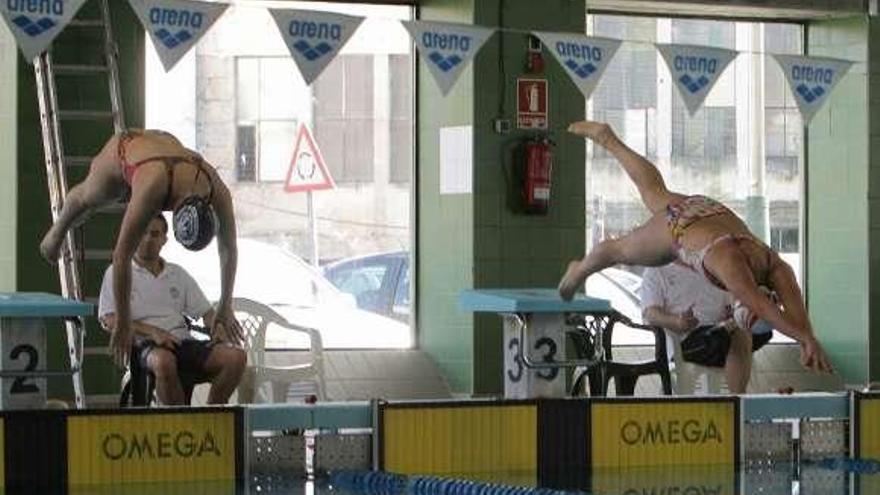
[
  {"x": 597, "y": 131},
  {"x": 50, "y": 249},
  {"x": 571, "y": 281}
]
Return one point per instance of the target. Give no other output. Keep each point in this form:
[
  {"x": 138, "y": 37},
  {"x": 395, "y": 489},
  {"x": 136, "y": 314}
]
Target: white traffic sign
[{"x": 307, "y": 171}]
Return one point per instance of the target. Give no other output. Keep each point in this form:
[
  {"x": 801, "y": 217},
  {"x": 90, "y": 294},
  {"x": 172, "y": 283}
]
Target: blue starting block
[
  {"x": 535, "y": 326},
  {"x": 23, "y": 346}
]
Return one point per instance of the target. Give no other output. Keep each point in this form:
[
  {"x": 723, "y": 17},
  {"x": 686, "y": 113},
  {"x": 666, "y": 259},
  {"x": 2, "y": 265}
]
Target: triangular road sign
[{"x": 307, "y": 171}]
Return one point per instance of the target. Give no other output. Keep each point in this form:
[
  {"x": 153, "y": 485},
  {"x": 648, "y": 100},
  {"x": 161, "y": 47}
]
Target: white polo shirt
[
  {"x": 160, "y": 301},
  {"x": 675, "y": 288}
]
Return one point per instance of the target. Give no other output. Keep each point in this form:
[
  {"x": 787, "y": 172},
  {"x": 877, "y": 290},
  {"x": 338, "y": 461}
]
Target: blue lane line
[
  {"x": 309, "y": 416},
  {"x": 816, "y": 405},
  {"x": 846, "y": 465},
  {"x": 381, "y": 483}
]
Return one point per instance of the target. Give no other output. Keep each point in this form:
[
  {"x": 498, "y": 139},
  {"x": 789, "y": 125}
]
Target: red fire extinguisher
[{"x": 537, "y": 173}]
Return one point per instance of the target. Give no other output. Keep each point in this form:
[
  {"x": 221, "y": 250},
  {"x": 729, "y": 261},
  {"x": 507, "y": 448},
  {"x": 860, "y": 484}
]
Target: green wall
[
  {"x": 74, "y": 45},
  {"x": 475, "y": 241},
  {"x": 873, "y": 79},
  {"x": 8, "y": 176},
  {"x": 445, "y": 227},
  {"x": 838, "y": 210}
]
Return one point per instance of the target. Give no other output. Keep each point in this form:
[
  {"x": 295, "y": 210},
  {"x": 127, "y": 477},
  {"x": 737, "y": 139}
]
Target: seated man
[
  {"x": 162, "y": 294},
  {"x": 698, "y": 316}
]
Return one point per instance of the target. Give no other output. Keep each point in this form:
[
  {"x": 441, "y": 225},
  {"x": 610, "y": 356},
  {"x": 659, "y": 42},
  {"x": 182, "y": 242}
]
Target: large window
[
  {"x": 712, "y": 152},
  {"x": 238, "y": 99},
  {"x": 271, "y": 99}
]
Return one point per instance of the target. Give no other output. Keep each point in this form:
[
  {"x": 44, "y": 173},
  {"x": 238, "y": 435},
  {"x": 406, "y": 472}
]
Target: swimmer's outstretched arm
[
  {"x": 739, "y": 280},
  {"x": 146, "y": 201},
  {"x": 225, "y": 327}
]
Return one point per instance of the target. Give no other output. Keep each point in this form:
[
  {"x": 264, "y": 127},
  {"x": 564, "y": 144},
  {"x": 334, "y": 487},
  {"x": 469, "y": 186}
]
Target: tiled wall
[
  {"x": 445, "y": 221},
  {"x": 874, "y": 197},
  {"x": 474, "y": 240},
  {"x": 8, "y": 60},
  {"x": 838, "y": 236},
  {"x": 512, "y": 249}
]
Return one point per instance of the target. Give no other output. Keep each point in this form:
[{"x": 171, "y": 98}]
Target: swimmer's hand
[
  {"x": 120, "y": 344},
  {"x": 813, "y": 356}
]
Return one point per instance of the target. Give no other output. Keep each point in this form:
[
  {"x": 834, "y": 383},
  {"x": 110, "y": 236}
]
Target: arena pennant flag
[
  {"x": 695, "y": 69},
  {"x": 811, "y": 79},
  {"x": 447, "y": 48},
  {"x": 585, "y": 58},
  {"x": 175, "y": 26},
  {"x": 314, "y": 38},
  {"x": 35, "y": 24}
]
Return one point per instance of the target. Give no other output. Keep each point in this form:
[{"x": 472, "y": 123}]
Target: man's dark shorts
[
  {"x": 708, "y": 345},
  {"x": 191, "y": 357}
]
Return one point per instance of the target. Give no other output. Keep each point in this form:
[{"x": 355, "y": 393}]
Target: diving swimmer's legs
[
  {"x": 102, "y": 186},
  {"x": 643, "y": 173},
  {"x": 648, "y": 245}
]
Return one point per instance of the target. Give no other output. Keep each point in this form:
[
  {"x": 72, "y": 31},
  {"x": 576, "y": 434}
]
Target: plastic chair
[
  {"x": 625, "y": 374},
  {"x": 255, "y": 319}
]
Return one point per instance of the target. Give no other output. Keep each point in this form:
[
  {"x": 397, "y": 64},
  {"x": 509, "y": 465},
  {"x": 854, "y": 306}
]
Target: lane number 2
[{"x": 20, "y": 385}]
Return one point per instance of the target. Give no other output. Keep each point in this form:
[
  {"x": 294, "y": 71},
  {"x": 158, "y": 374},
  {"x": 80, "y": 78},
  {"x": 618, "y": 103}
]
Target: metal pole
[
  {"x": 313, "y": 228},
  {"x": 757, "y": 206}
]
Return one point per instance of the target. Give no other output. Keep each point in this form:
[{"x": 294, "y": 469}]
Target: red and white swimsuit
[{"x": 681, "y": 214}]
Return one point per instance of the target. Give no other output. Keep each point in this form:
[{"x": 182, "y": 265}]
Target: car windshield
[{"x": 619, "y": 287}]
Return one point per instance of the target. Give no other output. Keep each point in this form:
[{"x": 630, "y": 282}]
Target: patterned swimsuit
[{"x": 683, "y": 213}]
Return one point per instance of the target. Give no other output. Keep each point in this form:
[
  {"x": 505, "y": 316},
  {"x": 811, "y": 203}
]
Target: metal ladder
[{"x": 48, "y": 73}]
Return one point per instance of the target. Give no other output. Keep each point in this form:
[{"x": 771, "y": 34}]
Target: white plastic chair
[
  {"x": 693, "y": 379},
  {"x": 255, "y": 319}
]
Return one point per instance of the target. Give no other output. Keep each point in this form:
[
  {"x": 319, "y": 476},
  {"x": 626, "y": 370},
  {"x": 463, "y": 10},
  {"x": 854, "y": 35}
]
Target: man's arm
[
  {"x": 198, "y": 306},
  {"x": 657, "y": 316},
  {"x": 159, "y": 336},
  {"x": 653, "y": 298}
]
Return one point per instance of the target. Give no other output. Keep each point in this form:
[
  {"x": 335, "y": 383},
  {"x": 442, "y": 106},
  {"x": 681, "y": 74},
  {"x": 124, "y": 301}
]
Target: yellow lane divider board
[
  {"x": 152, "y": 446},
  {"x": 866, "y": 411},
  {"x": 459, "y": 438},
  {"x": 664, "y": 432}
]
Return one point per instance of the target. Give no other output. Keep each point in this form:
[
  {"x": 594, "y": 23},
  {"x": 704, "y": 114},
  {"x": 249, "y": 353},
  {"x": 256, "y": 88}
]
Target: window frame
[
  {"x": 256, "y": 124},
  {"x": 803, "y": 210}
]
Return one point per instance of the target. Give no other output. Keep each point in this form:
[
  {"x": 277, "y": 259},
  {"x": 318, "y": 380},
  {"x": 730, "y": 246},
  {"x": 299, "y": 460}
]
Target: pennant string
[{"x": 634, "y": 41}]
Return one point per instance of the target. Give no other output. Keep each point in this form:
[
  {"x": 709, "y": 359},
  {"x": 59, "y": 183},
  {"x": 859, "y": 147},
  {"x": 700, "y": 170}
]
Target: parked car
[
  {"x": 380, "y": 283},
  {"x": 283, "y": 281}
]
